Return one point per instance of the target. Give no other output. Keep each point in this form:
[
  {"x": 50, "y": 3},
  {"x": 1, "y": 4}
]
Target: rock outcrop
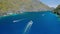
[{"x": 57, "y": 10}]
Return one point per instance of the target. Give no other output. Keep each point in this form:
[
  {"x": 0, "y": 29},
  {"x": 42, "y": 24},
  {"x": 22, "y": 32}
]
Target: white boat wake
[
  {"x": 28, "y": 27},
  {"x": 18, "y": 20}
]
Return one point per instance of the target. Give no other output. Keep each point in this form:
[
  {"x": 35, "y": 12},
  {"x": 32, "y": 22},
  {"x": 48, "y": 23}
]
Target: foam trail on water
[
  {"x": 18, "y": 20},
  {"x": 28, "y": 27}
]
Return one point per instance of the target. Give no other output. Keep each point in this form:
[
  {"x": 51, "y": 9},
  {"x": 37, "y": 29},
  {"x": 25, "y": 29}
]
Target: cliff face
[
  {"x": 21, "y": 5},
  {"x": 57, "y": 10},
  {"x": 36, "y": 5}
]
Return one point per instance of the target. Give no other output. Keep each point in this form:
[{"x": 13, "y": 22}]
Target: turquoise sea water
[{"x": 43, "y": 23}]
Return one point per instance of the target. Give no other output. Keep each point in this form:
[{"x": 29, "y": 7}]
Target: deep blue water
[{"x": 43, "y": 23}]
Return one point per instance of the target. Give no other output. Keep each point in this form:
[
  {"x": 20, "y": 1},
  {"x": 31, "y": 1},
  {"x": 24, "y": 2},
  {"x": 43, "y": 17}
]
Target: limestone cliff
[{"x": 21, "y": 5}]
